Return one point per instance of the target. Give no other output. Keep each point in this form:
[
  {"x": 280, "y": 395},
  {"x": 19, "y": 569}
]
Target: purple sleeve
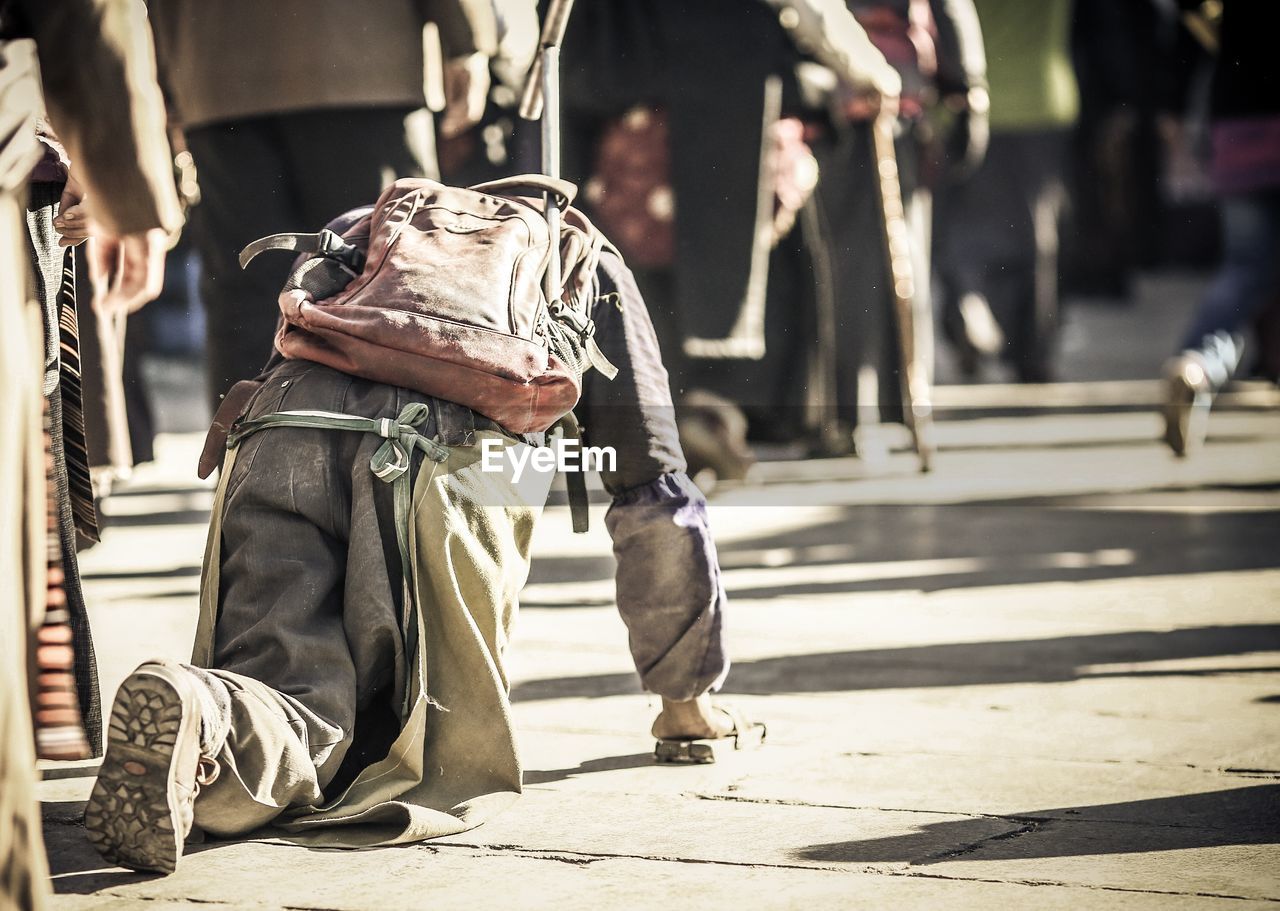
[{"x": 669, "y": 589}]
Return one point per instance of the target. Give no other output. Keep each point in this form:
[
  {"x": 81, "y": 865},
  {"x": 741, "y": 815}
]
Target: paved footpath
[{"x": 1047, "y": 675}]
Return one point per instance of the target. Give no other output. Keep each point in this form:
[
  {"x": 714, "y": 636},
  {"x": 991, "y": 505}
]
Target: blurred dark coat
[
  {"x": 99, "y": 80},
  {"x": 1245, "y": 108},
  {"x": 97, "y": 69},
  {"x": 98, "y": 73},
  {"x": 243, "y": 58},
  {"x": 707, "y": 63}
]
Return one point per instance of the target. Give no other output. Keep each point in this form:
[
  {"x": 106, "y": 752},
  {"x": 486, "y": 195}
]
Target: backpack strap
[
  {"x": 234, "y": 404},
  {"x": 391, "y": 464},
  {"x": 585, "y": 328},
  {"x": 322, "y": 243},
  {"x": 563, "y": 189},
  {"x": 575, "y": 482},
  {"x": 580, "y": 248}
]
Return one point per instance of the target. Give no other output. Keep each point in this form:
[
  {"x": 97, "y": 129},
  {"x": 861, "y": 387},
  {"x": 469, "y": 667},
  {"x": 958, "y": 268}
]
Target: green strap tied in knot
[{"x": 390, "y": 464}]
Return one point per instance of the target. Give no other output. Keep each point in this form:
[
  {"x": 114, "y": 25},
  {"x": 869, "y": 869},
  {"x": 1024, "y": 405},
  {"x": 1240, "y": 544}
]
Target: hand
[
  {"x": 890, "y": 105},
  {"x": 865, "y": 104},
  {"x": 73, "y": 223},
  {"x": 967, "y": 140},
  {"x": 466, "y": 91},
  {"x": 127, "y": 272}
]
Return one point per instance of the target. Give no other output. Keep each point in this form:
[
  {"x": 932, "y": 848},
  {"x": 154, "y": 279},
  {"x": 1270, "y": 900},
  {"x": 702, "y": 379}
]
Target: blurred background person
[
  {"x": 672, "y": 114},
  {"x": 96, "y": 66},
  {"x": 499, "y": 144},
  {"x": 1245, "y": 167},
  {"x": 936, "y": 48},
  {"x": 1131, "y": 81},
  {"x": 295, "y": 111},
  {"x": 997, "y": 233}
]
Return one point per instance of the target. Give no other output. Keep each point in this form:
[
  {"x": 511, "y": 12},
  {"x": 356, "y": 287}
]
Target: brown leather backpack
[{"x": 448, "y": 298}]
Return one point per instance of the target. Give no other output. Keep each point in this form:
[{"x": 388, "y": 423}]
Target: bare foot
[{"x": 696, "y": 719}]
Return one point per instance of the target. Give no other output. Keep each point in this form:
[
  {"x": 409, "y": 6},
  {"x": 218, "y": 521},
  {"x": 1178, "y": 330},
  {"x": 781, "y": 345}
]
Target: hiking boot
[
  {"x": 141, "y": 807},
  {"x": 1188, "y": 395}
]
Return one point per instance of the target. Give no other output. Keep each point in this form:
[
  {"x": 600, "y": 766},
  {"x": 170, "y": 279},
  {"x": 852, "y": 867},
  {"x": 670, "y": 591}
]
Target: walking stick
[{"x": 917, "y": 403}]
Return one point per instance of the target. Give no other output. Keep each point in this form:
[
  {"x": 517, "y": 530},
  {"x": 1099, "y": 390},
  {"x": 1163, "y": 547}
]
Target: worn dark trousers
[{"x": 286, "y": 172}]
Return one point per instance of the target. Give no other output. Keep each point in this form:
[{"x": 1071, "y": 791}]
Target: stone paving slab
[
  {"x": 1096, "y": 721},
  {"x": 787, "y": 835},
  {"x": 1176, "y": 860},
  {"x": 274, "y": 876},
  {"x": 1057, "y": 695},
  {"x": 931, "y": 782},
  {"x": 948, "y": 783}
]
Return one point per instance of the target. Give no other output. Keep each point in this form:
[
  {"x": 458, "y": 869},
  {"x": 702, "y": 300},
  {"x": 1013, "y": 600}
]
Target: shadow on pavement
[
  {"x": 1127, "y": 441},
  {"x": 1024, "y": 544},
  {"x": 1241, "y": 816},
  {"x": 169, "y": 517},
  {"x": 603, "y": 764},
  {"x": 176, "y": 572},
  {"x": 1057, "y": 660},
  {"x": 75, "y": 866},
  {"x": 1007, "y": 543},
  {"x": 73, "y": 863}
]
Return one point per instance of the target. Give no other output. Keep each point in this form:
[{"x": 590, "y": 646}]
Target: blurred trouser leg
[
  {"x": 341, "y": 159},
  {"x": 865, "y": 331},
  {"x": 23, "y": 870},
  {"x": 1213, "y": 346},
  {"x": 669, "y": 590},
  {"x": 245, "y": 194},
  {"x": 69, "y": 725},
  {"x": 288, "y": 172},
  {"x": 997, "y": 243},
  {"x": 1035, "y": 333},
  {"x": 1244, "y": 285}
]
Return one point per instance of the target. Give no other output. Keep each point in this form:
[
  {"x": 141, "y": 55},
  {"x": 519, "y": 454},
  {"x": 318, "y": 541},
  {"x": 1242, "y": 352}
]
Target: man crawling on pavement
[{"x": 347, "y": 686}]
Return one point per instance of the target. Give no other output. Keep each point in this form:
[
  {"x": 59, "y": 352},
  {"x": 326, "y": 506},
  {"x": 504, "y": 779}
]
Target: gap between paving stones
[
  {"x": 1029, "y": 823},
  {"x": 951, "y": 754},
  {"x": 1030, "y": 826}
]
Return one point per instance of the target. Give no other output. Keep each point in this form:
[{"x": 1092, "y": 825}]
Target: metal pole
[{"x": 551, "y": 158}]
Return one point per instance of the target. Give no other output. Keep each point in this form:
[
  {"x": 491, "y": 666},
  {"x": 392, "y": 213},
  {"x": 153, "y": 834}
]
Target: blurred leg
[
  {"x": 1245, "y": 282},
  {"x": 247, "y": 192},
  {"x": 1244, "y": 285},
  {"x": 342, "y": 158}
]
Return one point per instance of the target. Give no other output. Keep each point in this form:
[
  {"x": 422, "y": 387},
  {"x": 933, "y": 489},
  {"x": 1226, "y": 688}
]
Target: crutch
[
  {"x": 542, "y": 98},
  {"x": 917, "y": 404}
]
